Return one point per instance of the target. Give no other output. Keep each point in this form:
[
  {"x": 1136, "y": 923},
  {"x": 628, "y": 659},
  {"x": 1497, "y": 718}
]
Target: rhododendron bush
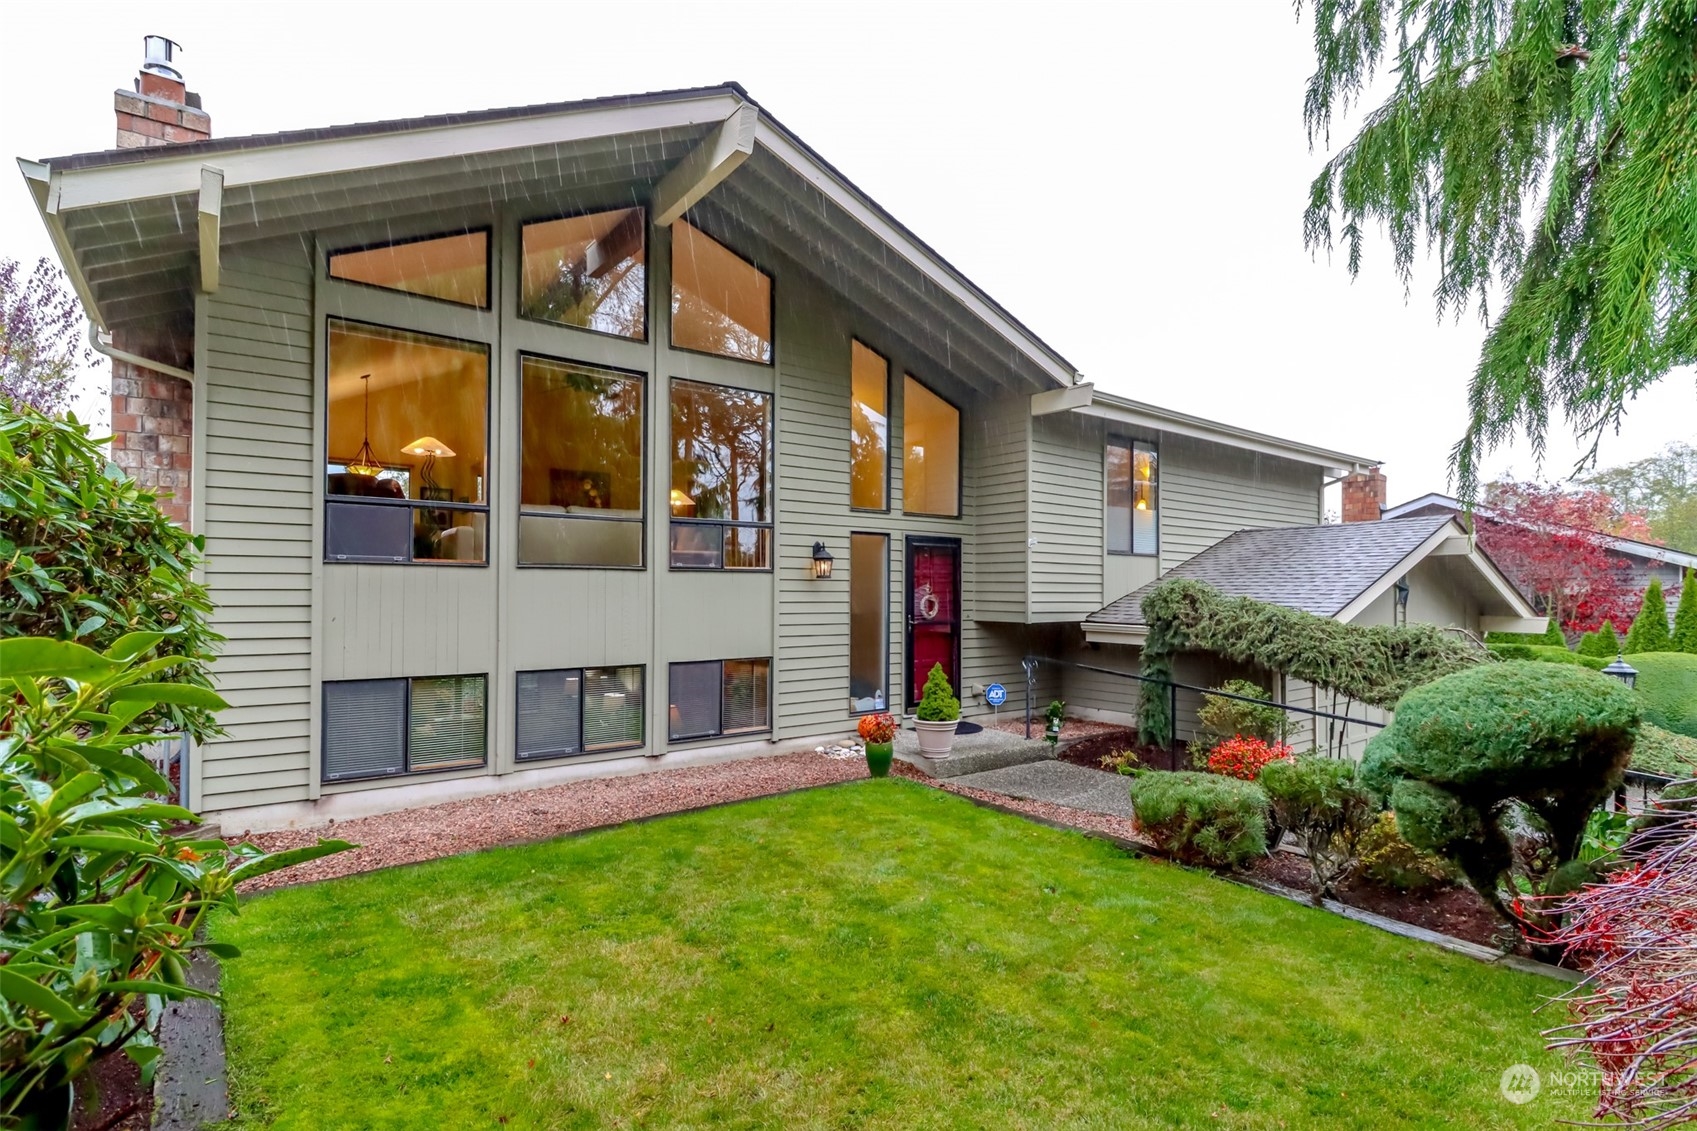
[{"x": 1636, "y": 1012}]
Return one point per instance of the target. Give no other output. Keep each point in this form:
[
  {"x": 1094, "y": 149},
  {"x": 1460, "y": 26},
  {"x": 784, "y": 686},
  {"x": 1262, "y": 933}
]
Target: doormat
[{"x": 964, "y": 727}]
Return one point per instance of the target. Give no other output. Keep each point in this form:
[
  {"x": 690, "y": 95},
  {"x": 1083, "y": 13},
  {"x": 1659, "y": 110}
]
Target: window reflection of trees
[
  {"x": 721, "y": 451},
  {"x": 597, "y": 283}
]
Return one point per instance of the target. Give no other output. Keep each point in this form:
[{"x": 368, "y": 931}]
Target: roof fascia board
[
  {"x": 175, "y": 176},
  {"x": 211, "y": 208},
  {"x": 1115, "y": 634},
  {"x": 805, "y": 165},
  {"x": 1390, "y": 577},
  {"x": 1150, "y": 417},
  {"x": 43, "y": 185}
]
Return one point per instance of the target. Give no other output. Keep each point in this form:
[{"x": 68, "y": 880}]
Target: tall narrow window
[
  {"x": 719, "y": 697},
  {"x": 580, "y": 463},
  {"x": 721, "y": 303},
  {"x": 407, "y": 438},
  {"x": 588, "y": 271},
  {"x": 869, "y": 431},
  {"x": 869, "y": 622},
  {"x": 931, "y": 469},
  {"x": 720, "y": 495},
  {"x": 382, "y": 727},
  {"x": 452, "y": 268},
  {"x": 1133, "y": 484}
]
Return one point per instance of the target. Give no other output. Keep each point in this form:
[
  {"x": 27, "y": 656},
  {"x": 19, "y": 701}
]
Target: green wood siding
[{"x": 1210, "y": 490}]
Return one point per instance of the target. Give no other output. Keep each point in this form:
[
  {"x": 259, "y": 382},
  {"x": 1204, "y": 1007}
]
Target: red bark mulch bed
[
  {"x": 1091, "y": 750},
  {"x": 111, "y": 1097},
  {"x": 1452, "y": 910}
]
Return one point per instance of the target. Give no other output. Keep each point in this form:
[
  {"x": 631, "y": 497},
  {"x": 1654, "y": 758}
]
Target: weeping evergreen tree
[
  {"x": 1649, "y": 631},
  {"x": 1546, "y": 150}
]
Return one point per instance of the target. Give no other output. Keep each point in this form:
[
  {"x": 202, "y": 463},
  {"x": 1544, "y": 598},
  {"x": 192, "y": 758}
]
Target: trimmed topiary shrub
[
  {"x": 1667, "y": 684},
  {"x": 1391, "y": 862},
  {"x": 1659, "y": 751},
  {"x": 1649, "y": 631},
  {"x": 1550, "y": 655},
  {"x": 1319, "y": 802},
  {"x": 937, "y": 702},
  {"x": 1466, "y": 751},
  {"x": 1201, "y": 818}
]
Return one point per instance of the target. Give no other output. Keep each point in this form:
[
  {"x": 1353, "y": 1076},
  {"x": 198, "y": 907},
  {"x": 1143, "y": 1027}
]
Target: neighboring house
[
  {"x": 1644, "y": 559},
  {"x": 563, "y": 440},
  {"x": 1423, "y": 570}
]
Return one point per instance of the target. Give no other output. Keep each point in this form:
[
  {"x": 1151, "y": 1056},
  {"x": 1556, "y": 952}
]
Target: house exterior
[{"x": 596, "y": 437}]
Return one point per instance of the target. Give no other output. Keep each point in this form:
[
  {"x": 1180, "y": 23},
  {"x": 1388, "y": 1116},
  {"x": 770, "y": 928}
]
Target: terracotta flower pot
[
  {"x": 935, "y": 739},
  {"x": 878, "y": 755}
]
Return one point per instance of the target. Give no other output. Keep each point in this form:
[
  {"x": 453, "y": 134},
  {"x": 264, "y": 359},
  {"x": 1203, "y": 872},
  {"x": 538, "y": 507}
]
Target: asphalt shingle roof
[{"x": 1318, "y": 569}]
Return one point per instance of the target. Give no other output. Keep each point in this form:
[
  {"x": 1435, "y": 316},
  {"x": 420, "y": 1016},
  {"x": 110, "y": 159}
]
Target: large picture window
[
  {"x": 405, "y": 476},
  {"x": 580, "y": 463},
  {"x": 714, "y": 698},
  {"x": 869, "y": 622},
  {"x": 931, "y": 468},
  {"x": 720, "y": 497},
  {"x": 1133, "y": 486},
  {"x": 578, "y": 711},
  {"x": 869, "y": 431},
  {"x": 588, "y": 271},
  {"x": 453, "y": 268},
  {"x": 383, "y": 727},
  {"x": 721, "y": 303}
]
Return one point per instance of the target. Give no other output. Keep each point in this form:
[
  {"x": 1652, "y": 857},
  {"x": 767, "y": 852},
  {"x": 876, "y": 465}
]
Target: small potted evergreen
[
  {"x": 938, "y": 713},
  {"x": 878, "y": 731}
]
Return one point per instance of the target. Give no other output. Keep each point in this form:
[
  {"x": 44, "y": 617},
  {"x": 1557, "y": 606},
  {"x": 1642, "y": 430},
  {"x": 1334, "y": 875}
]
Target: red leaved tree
[{"x": 1553, "y": 544}]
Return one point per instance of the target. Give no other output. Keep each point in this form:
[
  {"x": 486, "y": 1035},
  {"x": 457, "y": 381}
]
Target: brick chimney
[
  {"x": 152, "y": 414},
  {"x": 1364, "y": 495}
]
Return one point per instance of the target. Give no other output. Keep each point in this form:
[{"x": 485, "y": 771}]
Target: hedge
[{"x": 1667, "y": 683}]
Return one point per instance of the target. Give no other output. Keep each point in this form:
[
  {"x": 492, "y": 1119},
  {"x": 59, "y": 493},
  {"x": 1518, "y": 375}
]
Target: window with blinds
[
  {"x": 380, "y": 727},
  {"x": 579, "y": 711},
  {"x": 720, "y": 697}
]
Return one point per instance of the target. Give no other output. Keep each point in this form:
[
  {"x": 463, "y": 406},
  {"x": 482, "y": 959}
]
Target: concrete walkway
[
  {"x": 1059, "y": 783},
  {"x": 974, "y": 753}
]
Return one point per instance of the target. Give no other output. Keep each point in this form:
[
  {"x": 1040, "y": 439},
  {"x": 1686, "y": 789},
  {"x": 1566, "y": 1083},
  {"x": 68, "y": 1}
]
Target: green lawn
[{"x": 874, "y": 954}]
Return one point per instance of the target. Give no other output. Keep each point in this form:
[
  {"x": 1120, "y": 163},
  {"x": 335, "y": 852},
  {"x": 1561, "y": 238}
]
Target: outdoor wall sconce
[
  {"x": 1622, "y": 671},
  {"x": 822, "y": 562}
]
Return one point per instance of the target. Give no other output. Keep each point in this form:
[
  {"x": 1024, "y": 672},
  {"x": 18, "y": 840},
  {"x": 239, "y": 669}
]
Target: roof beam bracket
[
  {"x": 211, "y": 211},
  {"x": 712, "y": 161}
]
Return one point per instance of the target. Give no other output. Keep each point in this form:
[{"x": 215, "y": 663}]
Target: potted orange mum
[{"x": 879, "y": 733}]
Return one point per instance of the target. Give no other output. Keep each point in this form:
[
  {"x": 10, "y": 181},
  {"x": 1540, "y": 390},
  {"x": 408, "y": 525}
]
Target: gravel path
[{"x": 414, "y": 835}]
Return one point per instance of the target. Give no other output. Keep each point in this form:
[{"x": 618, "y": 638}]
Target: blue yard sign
[{"x": 995, "y": 695}]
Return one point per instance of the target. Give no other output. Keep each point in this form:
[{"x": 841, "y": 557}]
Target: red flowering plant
[
  {"x": 878, "y": 728},
  {"x": 1244, "y": 758}
]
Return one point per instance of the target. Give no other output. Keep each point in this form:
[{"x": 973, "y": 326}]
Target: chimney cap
[{"x": 158, "y": 52}]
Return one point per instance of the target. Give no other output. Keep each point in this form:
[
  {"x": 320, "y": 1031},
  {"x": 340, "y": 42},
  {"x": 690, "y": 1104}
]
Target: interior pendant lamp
[
  {"x": 365, "y": 460},
  {"x": 430, "y": 448}
]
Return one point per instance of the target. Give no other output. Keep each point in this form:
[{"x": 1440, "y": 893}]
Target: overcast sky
[{"x": 1128, "y": 179}]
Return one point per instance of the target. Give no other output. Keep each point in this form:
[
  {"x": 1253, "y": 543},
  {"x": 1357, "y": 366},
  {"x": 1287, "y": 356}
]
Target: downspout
[{"x": 102, "y": 343}]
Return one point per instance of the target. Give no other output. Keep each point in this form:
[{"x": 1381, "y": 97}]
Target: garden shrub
[
  {"x": 1466, "y": 750},
  {"x": 100, "y": 897},
  {"x": 1391, "y": 862},
  {"x": 1201, "y": 818},
  {"x": 1603, "y": 643},
  {"x": 1659, "y": 751},
  {"x": 85, "y": 555},
  {"x": 1319, "y": 802},
  {"x": 1372, "y": 664},
  {"x": 1649, "y": 631},
  {"x": 1245, "y": 758},
  {"x": 1667, "y": 684},
  {"x": 1220, "y": 718},
  {"x": 1549, "y": 654},
  {"x": 1551, "y": 636},
  {"x": 1685, "y": 616},
  {"x": 937, "y": 702}
]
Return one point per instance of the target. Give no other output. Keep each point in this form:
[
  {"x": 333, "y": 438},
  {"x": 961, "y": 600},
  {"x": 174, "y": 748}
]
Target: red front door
[{"x": 933, "y": 612}]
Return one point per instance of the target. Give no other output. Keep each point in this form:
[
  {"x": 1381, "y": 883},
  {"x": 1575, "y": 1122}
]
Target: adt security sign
[{"x": 995, "y": 695}]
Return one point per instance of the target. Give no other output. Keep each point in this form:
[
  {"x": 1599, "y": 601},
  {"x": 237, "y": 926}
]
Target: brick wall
[
  {"x": 152, "y": 430},
  {"x": 1364, "y": 496}
]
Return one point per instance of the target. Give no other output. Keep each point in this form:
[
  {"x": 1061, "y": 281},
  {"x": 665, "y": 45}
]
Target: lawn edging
[{"x": 190, "y": 1090}]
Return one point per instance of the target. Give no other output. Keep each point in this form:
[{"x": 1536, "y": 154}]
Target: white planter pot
[{"x": 935, "y": 739}]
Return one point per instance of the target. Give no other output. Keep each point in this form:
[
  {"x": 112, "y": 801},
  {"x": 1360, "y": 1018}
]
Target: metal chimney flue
[{"x": 158, "y": 53}]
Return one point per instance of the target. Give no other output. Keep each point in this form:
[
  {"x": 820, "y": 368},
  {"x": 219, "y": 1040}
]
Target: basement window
[
  {"x": 376, "y": 728},
  {"x": 720, "y": 697},
  {"x": 578, "y": 711}
]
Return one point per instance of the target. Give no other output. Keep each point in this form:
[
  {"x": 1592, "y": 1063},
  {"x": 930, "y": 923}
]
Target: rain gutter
[{"x": 102, "y": 343}]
